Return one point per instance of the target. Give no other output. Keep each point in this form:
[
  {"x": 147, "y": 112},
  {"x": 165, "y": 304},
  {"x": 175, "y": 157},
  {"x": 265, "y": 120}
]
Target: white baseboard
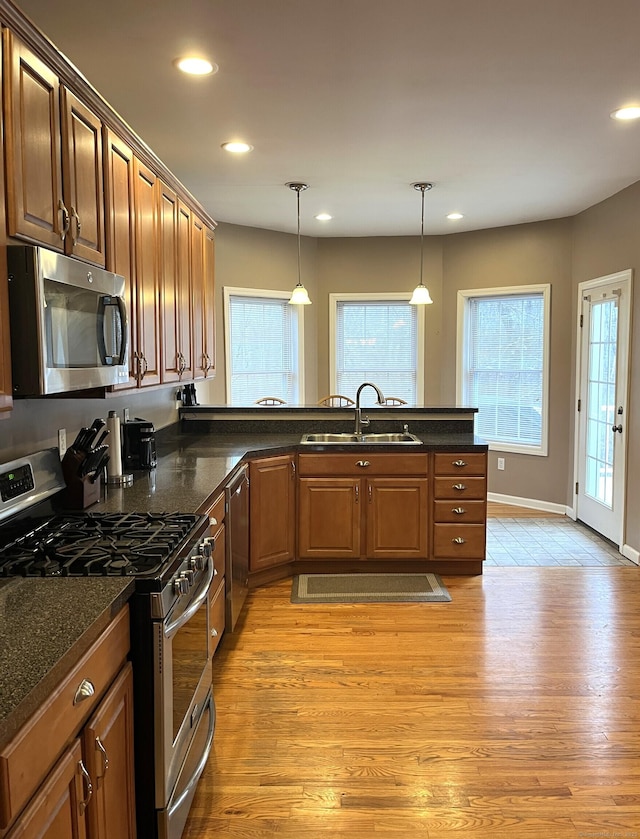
[
  {"x": 531, "y": 503},
  {"x": 631, "y": 553}
]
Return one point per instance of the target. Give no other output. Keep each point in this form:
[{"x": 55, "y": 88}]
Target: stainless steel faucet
[{"x": 363, "y": 422}]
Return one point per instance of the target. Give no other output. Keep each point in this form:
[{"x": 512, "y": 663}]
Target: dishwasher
[{"x": 237, "y": 546}]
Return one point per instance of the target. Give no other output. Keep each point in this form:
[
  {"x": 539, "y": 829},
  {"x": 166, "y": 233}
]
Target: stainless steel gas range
[{"x": 170, "y": 557}]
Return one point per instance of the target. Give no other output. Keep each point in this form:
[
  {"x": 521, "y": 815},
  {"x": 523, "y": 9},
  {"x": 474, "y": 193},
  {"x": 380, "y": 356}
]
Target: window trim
[
  {"x": 240, "y": 291},
  {"x": 334, "y": 299},
  {"x": 464, "y": 295}
]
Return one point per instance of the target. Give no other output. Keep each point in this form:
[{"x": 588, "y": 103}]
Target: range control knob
[
  {"x": 189, "y": 576},
  {"x": 181, "y": 585},
  {"x": 207, "y": 547},
  {"x": 197, "y": 561}
]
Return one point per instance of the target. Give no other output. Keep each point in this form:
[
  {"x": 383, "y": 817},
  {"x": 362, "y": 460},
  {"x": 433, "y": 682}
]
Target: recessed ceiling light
[
  {"x": 196, "y": 66},
  {"x": 236, "y": 147},
  {"x": 455, "y": 216},
  {"x": 631, "y": 112},
  {"x": 324, "y": 217}
]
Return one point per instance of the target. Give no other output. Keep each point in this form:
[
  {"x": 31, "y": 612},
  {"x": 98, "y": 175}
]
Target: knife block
[{"x": 80, "y": 492}]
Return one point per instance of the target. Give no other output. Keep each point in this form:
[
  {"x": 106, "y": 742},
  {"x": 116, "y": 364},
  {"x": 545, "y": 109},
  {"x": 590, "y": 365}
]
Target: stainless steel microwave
[{"x": 68, "y": 323}]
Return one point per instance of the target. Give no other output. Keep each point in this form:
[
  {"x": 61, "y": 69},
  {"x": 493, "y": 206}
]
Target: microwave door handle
[
  {"x": 102, "y": 347},
  {"x": 171, "y": 628}
]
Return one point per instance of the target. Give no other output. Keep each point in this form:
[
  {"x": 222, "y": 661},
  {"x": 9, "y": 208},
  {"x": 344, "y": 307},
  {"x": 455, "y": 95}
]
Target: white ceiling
[{"x": 503, "y": 104}]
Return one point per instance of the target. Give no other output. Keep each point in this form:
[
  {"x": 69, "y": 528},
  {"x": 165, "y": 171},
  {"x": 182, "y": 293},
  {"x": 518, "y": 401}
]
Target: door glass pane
[{"x": 601, "y": 400}]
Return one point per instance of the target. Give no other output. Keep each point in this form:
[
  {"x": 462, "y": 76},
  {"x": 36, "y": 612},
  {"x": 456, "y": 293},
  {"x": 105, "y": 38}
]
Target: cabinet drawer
[
  {"x": 361, "y": 464},
  {"x": 462, "y": 487},
  {"x": 216, "y": 513},
  {"x": 455, "y": 463},
  {"x": 216, "y": 613},
  {"x": 464, "y": 541},
  {"x": 469, "y": 512},
  {"x": 219, "y": 553},
  {"x": 26, "y": 760}
]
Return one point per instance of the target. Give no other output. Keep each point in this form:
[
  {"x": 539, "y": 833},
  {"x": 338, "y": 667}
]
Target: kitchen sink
[{"x": 401, "y": 439}]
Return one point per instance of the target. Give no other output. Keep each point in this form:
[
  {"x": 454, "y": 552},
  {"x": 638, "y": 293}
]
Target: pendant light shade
[
  {"x": 421, "y": 296},
  {"x": 299, "y": 296}
]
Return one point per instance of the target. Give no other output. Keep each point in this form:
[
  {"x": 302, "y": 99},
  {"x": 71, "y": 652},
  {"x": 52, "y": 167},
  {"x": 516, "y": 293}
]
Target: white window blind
[
  {"x": 505, "y": 370},
  {"x": 376, "y": 341},
  {"x": 262, "y": 348}
]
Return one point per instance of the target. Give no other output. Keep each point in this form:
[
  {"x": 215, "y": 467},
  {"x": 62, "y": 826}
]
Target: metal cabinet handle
[
  {"x": 357, "y": 491},
  {"x": 362, "y": 463},
  {"x": 458, "y": 511},
  {"x": 370, "y": 494},
  {"x": 86, "y": 779},
  {"x": 618, "y": 428},
  {"x": 103, "y": 752},
  {"x": 459, "y": 463},
  {"x": 458, "y": 540},
  {"x": 84, "y": 690},
  {"x": 214, "y": 633},
  {"x": 459, "y": 487},
  {"x": 76, "y": 218},
  {"x": 66, "y": 220},
  {"x": 293, "y": 468}
]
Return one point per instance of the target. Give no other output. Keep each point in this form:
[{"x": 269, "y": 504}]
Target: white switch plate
[
  {"x": 62, "y": 441},
  {"x": 501, "y": 464}
]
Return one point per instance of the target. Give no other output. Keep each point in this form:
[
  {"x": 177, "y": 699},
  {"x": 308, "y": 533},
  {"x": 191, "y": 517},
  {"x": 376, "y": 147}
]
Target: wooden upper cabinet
[
  {"x": 53, "y": 159},
  {"x": 147, "y": 349},
  {"x": 203, "y": 287},
  {"x": 83, "y": 179},
  {"x": 175, "y": 287},
  {"x": 119, "y": 180}
]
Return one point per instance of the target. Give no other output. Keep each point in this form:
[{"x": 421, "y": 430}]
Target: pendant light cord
[
  {"x": 299, "y": 275},
  {"x": 422, "y": 237}
]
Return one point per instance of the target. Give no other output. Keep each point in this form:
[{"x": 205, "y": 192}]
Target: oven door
[{"x": 182, "y": 682}]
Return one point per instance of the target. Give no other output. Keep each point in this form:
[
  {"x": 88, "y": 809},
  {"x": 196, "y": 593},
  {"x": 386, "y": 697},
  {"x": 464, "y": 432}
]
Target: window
[
  {"x": 263, "y": 346},
  {"x": 377, "y": 338},
  {"x": 503, "y": 364}
]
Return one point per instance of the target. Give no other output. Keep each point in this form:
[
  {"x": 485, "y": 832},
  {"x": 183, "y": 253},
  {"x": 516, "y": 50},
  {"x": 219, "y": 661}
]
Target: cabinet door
[
  {"x": 57, "y": 809},
  {"x": 108, "y": 749},
  {"x": 120, "y": 230},
  {"x": 397, "y": 512},
  {"x": 329, "y": 518},
  {"x": 33, "y": 155},
  {"x": 147, "y": 276},
  {"x": 83, "y": 179},
  {"x": 169, "y": 281},
  {"x": 272, "y": 512},
  {"x": 202, "y": 278},
  {"x": 184, "y": 313}
]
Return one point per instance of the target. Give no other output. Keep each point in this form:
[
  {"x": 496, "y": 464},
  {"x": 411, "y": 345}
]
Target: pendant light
[
  {"x": 421, "y": 296},
  {"x": 299, "y": 296}
]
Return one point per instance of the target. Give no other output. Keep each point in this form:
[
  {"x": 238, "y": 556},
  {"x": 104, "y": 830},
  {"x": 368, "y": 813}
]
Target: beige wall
[
  {"x": 607, "y": 239},
  {"x": 509, "y": 257}
]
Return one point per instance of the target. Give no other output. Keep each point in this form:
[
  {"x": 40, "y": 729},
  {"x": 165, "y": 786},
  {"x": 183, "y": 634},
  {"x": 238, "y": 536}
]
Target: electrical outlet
[
  {"x": 62, "y": 441},
  {"x": 501, "y": 464}
]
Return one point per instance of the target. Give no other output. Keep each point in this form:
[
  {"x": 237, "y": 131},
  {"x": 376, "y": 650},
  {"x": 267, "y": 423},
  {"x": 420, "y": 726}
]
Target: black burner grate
[{"x": 93, "y": 544}]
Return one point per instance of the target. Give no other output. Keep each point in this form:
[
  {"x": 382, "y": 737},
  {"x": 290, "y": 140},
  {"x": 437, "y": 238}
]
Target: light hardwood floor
[{"x": 511, "y": 712}]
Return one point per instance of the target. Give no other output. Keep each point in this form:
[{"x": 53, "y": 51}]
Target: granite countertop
[{"x": 47, "y": 624}]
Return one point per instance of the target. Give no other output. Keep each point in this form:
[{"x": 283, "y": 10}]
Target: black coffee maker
[{"x": 138, "y": 444}]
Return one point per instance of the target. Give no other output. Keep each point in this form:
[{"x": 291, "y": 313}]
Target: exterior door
[{"x": 604, "y": 306}]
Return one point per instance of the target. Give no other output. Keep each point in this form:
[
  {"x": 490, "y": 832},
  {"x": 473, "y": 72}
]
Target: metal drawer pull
[
  {"x": 214, "y": 633},
  {"x": 458, "y": 540},
  {"x": 362, "y": 463},
  {"x": 86, "y": 778},
  {"x": 460, "y": 463},
  {"x": 84, "y": 691},
  {"x": 103, "y": 752},
  {"x": 459, "y": 487},
  {"x": 458, "y": 511},
  {"x": 213, "y": 521}
]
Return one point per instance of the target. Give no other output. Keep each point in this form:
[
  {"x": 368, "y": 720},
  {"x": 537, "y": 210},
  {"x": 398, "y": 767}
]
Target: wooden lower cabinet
[
  {"x": 108, "y": 749},
  {"x": 57, "y": 809},
  {"x": 374, "y": 518},
  {"x": 78, "y": 750},
  {"x": 272, "y": 507},
  {"x": 459, "y": 506}
]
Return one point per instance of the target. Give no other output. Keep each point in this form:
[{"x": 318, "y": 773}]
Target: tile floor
[{"x": 557, "y": 541}]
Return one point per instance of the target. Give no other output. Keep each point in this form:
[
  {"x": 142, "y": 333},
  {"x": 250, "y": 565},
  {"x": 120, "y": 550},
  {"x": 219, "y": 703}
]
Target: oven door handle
[
  {"x": 199, "y": 768},
  {"x": 195, "y": 604}
]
